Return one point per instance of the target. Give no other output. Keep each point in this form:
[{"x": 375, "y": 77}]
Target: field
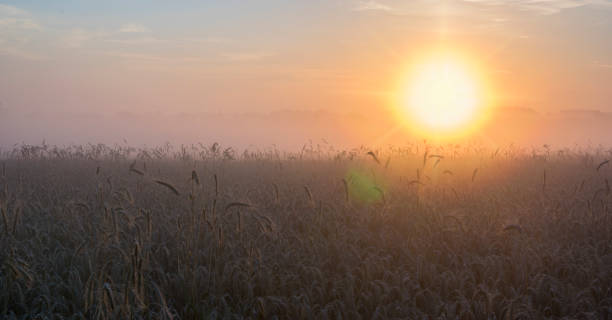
[{"x": 412, "y": 232}]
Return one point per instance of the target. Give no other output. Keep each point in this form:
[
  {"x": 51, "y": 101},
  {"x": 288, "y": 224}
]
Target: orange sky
[{"x": 155, "y": 59}]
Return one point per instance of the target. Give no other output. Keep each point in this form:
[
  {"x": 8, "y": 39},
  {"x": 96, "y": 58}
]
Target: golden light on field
[{"x": 442, "y": 97}]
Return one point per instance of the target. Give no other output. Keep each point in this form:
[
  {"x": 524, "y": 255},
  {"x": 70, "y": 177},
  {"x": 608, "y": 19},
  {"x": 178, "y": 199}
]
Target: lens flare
[{"x": 362, "y": 187}]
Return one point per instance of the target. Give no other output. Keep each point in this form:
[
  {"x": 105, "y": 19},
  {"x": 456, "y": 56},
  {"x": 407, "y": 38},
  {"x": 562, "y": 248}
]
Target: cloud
[
  {"x": 16, "y": 51},
  {"x": 148, "y": 61},
  {"x": 133, "y": 28},
  {"x": 78, "y": 37},
  {"x": 6, "y": 10},
  {"x": 247, "y": 56},
  {"x": 143, "y": 57},
  {"x": 210, "y": 39},
  {"x": 14, "y": 18},
  {"x": 139, "y": 41},
  {"x": 372, "y": 6},
  {"x": 602, "y": 65},
  {"x": 17, "y": 30},
  {"x": 18, "y": 23},
  {"x": 417, "y": 7},
  {"x": 542, "y": 7}
]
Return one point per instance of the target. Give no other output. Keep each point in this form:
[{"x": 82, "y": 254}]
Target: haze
[{"x": 258, "y": 74}]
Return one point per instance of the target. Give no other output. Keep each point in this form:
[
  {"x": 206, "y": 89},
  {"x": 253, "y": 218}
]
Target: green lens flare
[{"x": 362, "y": 187}]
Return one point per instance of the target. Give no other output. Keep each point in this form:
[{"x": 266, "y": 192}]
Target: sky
[{"x": 66, "y": 63}]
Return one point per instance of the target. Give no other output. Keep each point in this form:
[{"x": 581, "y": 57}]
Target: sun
[{"x": 442, "y": 97}]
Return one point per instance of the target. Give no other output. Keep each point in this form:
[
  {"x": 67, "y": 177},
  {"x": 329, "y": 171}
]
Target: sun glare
[{"x": 442, "y": 97}]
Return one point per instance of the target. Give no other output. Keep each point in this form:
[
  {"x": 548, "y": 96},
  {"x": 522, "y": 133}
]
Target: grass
[{"x": 449, "y": 232}]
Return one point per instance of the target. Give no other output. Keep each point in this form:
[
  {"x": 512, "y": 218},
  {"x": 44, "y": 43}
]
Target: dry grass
[{"x": 476, "y": 234}]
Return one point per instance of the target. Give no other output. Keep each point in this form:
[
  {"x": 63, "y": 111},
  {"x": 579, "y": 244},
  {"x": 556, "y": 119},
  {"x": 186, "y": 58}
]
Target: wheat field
[{"x": 204, "y": 232}]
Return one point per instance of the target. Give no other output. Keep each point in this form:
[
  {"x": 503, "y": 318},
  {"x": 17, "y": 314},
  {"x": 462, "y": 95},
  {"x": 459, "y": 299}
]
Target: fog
[{"x": 290, "y": 130}]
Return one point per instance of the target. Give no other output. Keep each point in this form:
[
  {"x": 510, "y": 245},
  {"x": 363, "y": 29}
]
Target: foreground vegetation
[{"x": 452, "y": 232}]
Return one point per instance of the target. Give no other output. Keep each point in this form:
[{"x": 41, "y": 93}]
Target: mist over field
[{"x": 290, "y": 130}]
